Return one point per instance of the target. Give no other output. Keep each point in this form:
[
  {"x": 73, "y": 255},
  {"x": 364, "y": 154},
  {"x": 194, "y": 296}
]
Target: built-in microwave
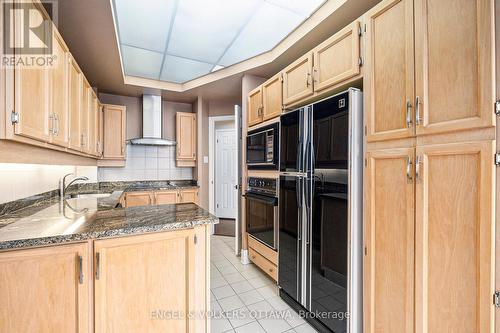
[{"x": 263, "y": 147}]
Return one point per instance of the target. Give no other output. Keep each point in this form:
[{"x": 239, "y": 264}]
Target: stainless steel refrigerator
[{"x": 320, "y": 203}]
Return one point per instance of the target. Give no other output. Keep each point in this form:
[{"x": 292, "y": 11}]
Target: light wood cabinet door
[
  {"x": 58, "y": 87},
  {"x": 45, "y": 289},
  {"x": 455, "y": 64},
  {"x": 389, "y": 241},
  {"x": 454, "y": 238},
  {"x": 189, "y": 195},
  {"x": 93, "y": 122},
  {"x": 337, "y": 58},
  {"x": 388, "y": 71},
  {"x": 166, "y": 197},
  {"x": 133, "y": 199},
  {"x": 139, "y": 279},
  {"x": 114, "y": 135},
  {"x": 186, "y": 136},
  {"x": 31, "y": 92},
  {"x": 272, "y": 97},
  {"x": 75, "y": 105},
  {"x": 297, "y": 80},
  {"x": 255, "y": 106},
  {"x": 84, "y": 116}
]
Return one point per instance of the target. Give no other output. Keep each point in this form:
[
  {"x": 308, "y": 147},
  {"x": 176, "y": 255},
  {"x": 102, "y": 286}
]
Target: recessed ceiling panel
[
  {"x": 144, "y": 24},
  {"x": 203, "y": 29},
  {"x": 268, "y": 27},
  {"x": 176, "y": 69},
  {"x": 142, "y": 63},
  {"x": 180, "y": 40}
]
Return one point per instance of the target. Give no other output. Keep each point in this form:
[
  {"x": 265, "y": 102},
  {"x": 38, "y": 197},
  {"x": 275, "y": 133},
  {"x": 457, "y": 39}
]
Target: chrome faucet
[{"x": 62, "y": 183}]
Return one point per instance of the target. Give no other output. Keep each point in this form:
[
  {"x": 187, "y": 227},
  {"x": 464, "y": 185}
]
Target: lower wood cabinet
[
  {"x": 141, "y": 280},
  {"x": 146, "y": 198},
  {"x": 189, "y": 195},
  {"x": 133, "y": 199},
  {"x": 429, "y": 239},
  {"x": 166, "y": 197},
  {"x": 157, "y": 282},
  {"x": 46, "y": 289},
  {"x": 263, "y": 257}
]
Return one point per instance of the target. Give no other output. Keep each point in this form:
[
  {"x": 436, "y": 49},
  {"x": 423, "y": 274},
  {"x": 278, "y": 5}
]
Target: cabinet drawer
[
  {"x": 263, "y": 250},
  {"x": 268, "y": 267}
]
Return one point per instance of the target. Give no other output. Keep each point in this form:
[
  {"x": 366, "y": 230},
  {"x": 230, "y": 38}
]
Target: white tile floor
[{"x": 243, "y": 299}]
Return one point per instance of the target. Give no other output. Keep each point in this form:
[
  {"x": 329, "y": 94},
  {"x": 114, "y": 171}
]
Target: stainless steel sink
[{"x": 90, "y": 195}]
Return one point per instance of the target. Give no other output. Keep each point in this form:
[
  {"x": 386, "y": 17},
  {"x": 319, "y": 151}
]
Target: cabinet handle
[
  {"x": 51, "y": 121},
  {"x": 253, "y": 257},
  {"x": 97, "y": 265},
  {"x": 418, "y": 119},
  {"x": 80, "y": 267},
  {"x": 408, "y": 114},
  {"x": 417, "y": 169},
  {"x": 409, "y": 176},
  {"x": 307, "y": 79},
  {"x": 271, "y": 270},
  {"x": 315, "y": 75}
]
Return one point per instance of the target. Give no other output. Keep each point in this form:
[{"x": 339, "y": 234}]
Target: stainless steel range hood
[{"x": 152, "y": 123}]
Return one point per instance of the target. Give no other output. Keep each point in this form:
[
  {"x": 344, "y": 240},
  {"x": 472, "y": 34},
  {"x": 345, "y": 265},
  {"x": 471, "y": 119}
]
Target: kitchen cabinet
[
  {"x": 455, "y": 65},
  {"x": 297, "y": 80},
  {"x": 133, "y": 199},
  {"x": 429, "y": 250},
  {"x": 166, "y": 197},
  {"x": 337, "y": 59},
  {"x": 46, "y": 289},
  {"x": 389, "y": 71},
  {"x": 272, "y": 97},
  {"x": 389, "y": 241},
  {"x": 75, "y": 93},
  {"x": 454, "y": 239},
  {"x": 58, "y": 88},
  {"x": 84, "y": 116},
  {"x": 114, "y": 135},
  {"x": 424, "y": 73},
  {"x": 147, "y": 275},
  {"x": 188, "y": 195},
  {"x": 93, "y": 123},
  {"x": 255, "y": 106},
  {"x": 186, "y": 138}
]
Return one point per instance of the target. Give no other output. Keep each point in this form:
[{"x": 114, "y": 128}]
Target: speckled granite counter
[{"x": 50, "y": 221}]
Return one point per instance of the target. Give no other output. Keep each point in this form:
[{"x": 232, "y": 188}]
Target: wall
[
  {"x": 24, "y": 180},
  {"x": 147, "y": 162},
  {"x": 205, "y": 109}
]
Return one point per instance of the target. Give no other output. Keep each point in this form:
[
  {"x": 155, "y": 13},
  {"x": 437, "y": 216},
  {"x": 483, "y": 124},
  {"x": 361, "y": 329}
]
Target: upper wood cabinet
[
  {"x": 272, "y": 97},
  {"x": 297, "y": 79},
  {"x": 84, "y": 116},
  {"x": 58, "y": 88},
  {"x": 453, "y": 87},
  {"x": 93, "y": 123},
  {"x": 186, "y": 138},
  {"x": 45, "y": 289},
  {"x": 143, "y": 274},
  {"x": 455, "y": 64},
  {"x": 337, "y": 59},
  {"x": 75, "y": 93},
  {"x": 454, "y": 263},
  {"x": 114, "y": 132},
  {"x": 255, "y": 106},
  {"x": 389, "y": 241},
  {"x": 388, "y": 73}
]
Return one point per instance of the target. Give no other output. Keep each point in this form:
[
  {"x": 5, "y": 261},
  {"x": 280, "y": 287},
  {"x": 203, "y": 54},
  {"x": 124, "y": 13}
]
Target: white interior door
[{"x": 226, "y": 175}]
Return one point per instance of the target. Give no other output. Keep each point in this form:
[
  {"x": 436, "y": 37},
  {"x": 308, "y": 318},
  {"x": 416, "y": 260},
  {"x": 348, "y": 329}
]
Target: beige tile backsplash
[
  {"x": 19, "y": 181},
  {"x": 147, "y": 163}
]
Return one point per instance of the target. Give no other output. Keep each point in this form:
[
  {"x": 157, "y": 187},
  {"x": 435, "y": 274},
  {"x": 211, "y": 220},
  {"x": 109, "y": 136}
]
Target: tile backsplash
[{"x": 147, "y": 163}]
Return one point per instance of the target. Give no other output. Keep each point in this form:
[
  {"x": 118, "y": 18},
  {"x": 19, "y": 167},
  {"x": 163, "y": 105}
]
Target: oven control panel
[{"x": 263, "y": 185}]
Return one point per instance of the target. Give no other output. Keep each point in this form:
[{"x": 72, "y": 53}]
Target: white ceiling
[{"x": 180, "y": 40}]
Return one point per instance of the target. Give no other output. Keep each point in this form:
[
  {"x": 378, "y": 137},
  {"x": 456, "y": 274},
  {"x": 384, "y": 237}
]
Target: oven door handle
[{"x": 269, "y": 200}]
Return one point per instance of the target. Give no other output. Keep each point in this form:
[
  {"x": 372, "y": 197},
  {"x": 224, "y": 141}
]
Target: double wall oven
[{"x": 262, "y": 210}]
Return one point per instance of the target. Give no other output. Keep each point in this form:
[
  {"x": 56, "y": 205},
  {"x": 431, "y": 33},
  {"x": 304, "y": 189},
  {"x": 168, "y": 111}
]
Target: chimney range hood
[{"x": 152, "y": 123}]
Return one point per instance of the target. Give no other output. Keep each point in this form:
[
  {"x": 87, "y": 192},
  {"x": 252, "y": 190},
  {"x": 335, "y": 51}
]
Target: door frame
[{"x": 211, "y": 172}]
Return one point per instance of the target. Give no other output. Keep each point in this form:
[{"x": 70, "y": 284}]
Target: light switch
[{"x": 205, "y": 159}]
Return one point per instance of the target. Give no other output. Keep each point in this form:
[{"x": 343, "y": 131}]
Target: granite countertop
[{"x": 51, "y": 221}]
